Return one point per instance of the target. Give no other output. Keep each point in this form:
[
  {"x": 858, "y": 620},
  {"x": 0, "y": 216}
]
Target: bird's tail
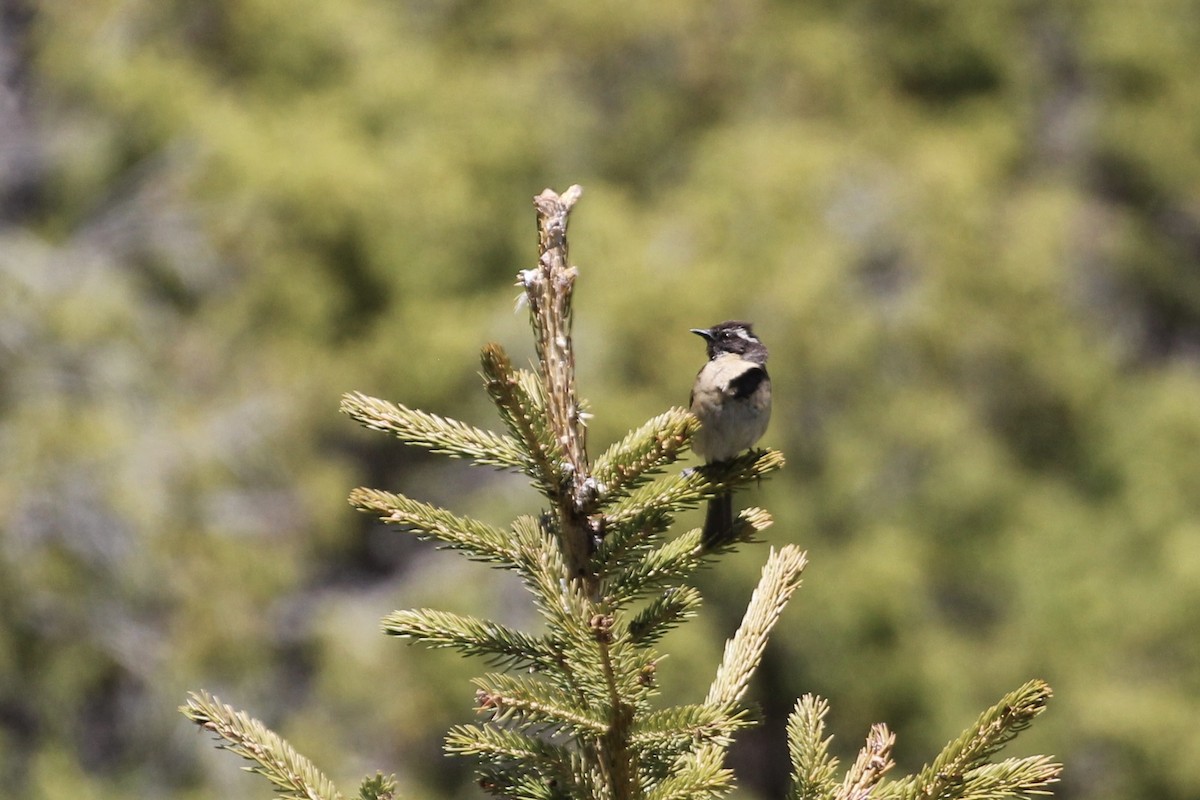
[{"x": 718, "y": 521}]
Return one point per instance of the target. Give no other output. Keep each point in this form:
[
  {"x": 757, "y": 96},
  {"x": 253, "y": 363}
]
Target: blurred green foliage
[{"x": 969, "y": 232}]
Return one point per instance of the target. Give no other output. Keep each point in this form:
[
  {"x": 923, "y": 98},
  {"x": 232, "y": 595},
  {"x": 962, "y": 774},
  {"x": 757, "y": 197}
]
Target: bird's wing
[{"x": 745, "y": 383}]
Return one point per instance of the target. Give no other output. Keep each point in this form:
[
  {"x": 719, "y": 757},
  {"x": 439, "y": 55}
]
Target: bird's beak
[{"x": 705, "y": 332}]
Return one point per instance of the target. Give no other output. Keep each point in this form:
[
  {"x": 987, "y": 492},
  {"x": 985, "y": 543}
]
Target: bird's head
[{"x": 734, "y": 337}]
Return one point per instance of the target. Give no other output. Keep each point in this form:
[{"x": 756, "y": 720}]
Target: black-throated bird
[{"x": 732, "y": 399}]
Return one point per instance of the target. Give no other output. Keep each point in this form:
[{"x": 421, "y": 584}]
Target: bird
[{"x": 732, "y": 399}]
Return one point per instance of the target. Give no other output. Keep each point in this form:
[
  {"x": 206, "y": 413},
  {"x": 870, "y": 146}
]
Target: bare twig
[
  {"x": 548, "y": 288},
  {"x": 873, "y": 761}
]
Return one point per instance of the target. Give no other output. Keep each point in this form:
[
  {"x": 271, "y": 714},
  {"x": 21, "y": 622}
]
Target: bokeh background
[{"x": 969, "y": 232}]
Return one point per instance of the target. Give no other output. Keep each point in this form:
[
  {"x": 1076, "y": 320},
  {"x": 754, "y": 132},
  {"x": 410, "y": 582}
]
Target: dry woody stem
[{"x": 549, "y": 288}]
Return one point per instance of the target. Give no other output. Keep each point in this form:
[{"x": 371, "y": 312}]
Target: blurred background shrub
[{"x": 969, "y": 232}]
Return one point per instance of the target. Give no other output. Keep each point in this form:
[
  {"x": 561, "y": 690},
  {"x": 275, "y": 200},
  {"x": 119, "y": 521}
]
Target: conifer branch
[
  {"x": 995, "y": 727},
  {"x": 644, "y": 453},
  {"x": 780, "y": 579},
  {"x": 813, "y": 767},
  {"x": 666, "y": 565},
  {"x": 581, "y": 723},
  {"x": 669, "y": 609},
  {"x": 543, "y": 567},
  {"x": 691, "y": 487},
  {"x": 378, "y": 787},
  {"x": 868, "y": 769},
  {"x": 536, "y": 703},
  {"x": 501, "y": 745},
  {"x": 699, "y": 775},
  {"x": 627, "y": 540},
  {"x": 617, "y": 761},
  {"x": 524, "y": 414},
  {"x": 294, "y": 776},
  {"x": 687, "y": 727},
  {"x": 677, "y": 559},
  {"x": 484, "y": 542},
  {"x": 1012, "y": 777},
  {"x": 515, "y": 782},
  {"x": 435, "y": 433},
  {"x": 472, "y": 636}
]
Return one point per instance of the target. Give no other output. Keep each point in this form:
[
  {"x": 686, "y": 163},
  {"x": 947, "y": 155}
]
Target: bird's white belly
[{"x": 728, "y": 425}]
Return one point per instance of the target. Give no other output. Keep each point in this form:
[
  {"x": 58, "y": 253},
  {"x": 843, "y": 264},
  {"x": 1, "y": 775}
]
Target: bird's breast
[{"x": 732, "y": 399}]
